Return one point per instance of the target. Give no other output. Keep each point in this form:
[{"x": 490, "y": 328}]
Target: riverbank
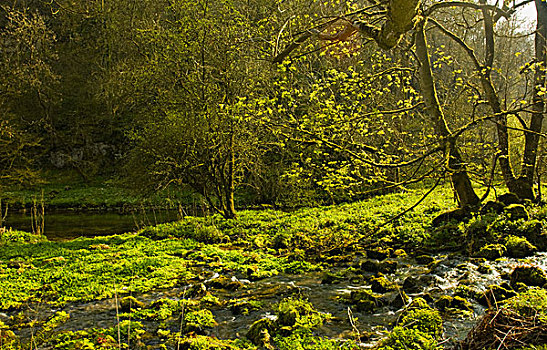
[{"x": 346, "y": 276}]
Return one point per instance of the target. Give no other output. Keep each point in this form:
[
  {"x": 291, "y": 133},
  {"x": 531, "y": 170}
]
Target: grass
[{"x": 256, "y": 245}]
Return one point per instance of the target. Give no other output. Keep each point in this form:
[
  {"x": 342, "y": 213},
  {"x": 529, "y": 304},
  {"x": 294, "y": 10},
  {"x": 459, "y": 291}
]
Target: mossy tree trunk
[
  {"x": 459, "y": 176},
  {"x": 531, "y": 146}
]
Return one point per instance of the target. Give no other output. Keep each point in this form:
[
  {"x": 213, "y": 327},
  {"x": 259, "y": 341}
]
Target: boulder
[
  {"x": 519, "y": 247},
  {"x": 379, "y": 253},
  {"x": 382, "y": 285},
  {"x": 494, "y": 294},
  {"x": 458, "y": 214},
  {"x": 492, "y": 207},
  {"x": 491, "y": 251},
  {"x": 416, "y": 284},
  {"x": 529, "y": 275},
  {"x": 509, "y": 198},
  {"x": 424, "y": 259},
  {"x": 260, "y": 332},
  {"x": 516, "y": 211}
]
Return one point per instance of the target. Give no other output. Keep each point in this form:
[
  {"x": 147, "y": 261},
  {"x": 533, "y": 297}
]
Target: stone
[
  {"x": 130, "y": 303},
  {"x": 379, "y": 253},
  {"x": 424, "y": 259},
  {"x": 495, "y": 294},
  {"x": 516, "y": 211},
  {"x": 509, "y": 198},
  {"x": 415, "y": 284},
  {"x": 396, "y": 299},
  {"x": 382, "y": 285},
  {"x": 388, "y": 266},
  {"x": 364, "y": 300},
  {"x": 458, "y": 214},
  {"x": 492, "y": 207},
  {"x": 519, "y": 247},
  {"x": 443, "y": 302},
  {"x": 260, "y": 332},
  {"x": 331, "y": 278},
  {"x": 491, "y": 251},
  {"x": 529, "y": 275},
  {"x": 370, "y": 266},
  {"x": 223, "y": 282}
]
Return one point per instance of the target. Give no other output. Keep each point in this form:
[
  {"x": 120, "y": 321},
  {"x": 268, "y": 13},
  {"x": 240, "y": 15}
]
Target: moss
[
  {"x": 531, "y": 303},
  {"x": 298, "y": 313},
  {"x": 519, "y": 247},
  {"x": 424, "y": 259},
  {"x": 307, "y": 341},
  {"x": 420, "y": 328},
  {"x": 129, "y": 303},
  {"x": 364, "y": 300},
  {"x": 495, "y": 294},
  {"x": 197, "y": 321},
  {"x": 516, "y": 211},
  {"x": 10, "y": 236},
  {"x": 382, "y": 285},
  {"x": 200, "y": 342},
  {"x": 529, "y": 275},
  {"x": 425, "y": 320},
  {"x": 491, "y": 251},
  {"x": 260, "y": 332}
]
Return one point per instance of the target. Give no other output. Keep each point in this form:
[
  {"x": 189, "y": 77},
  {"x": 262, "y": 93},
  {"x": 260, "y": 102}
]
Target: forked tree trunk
[{"x": 459, "y": 177}]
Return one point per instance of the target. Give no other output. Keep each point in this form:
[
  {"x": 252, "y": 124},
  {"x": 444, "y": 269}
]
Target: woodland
[{"x": 344, "y": 174}]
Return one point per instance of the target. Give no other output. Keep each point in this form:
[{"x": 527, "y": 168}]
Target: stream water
[
  {"x": 441, "y": 279},
  {"x": 67, "y": 225}
]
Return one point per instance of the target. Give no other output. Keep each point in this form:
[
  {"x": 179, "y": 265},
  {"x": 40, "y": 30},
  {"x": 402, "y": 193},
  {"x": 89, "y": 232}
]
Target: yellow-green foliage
[
  {"x": 10, "y": 236},
  {"x": 420, "y": 329},
  {"x": 531, "y": 303}
]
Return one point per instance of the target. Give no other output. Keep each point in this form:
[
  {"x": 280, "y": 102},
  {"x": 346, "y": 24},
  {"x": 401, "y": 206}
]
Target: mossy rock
[
  {"x": 509, "y": 198},
  {"x": 496, "y": 294},
  {"x": 332, "y": 278},
  {"x": 516, "y": 211},
  {"x": 396, "y": 299},
  {"x": 484, "y": 268},
  {"x": 195, "y": 291},
  {"x": 399, "y": 253},
  {"x": 492, "y": 207},
  {"x": 519, "y": 247},
  {"x": 201, "y": 342},
  {"x": 370, "y": 266},
  {"x": 443, "y": 302},
  {"x": 293, "y": 312},
  {"x": 529, "y": 275},
  {"x": 226, "y": 283},
  {"x": 415, "y": 284},
  {"x": 425, "y": 320},
  {"x": 467, "y": 292},
  {"x": 261, "y": 331},
  {"x": 379, "y": 253},
  {"x": 388, "y": 266},
  {"x": 458, "y": 214},
  {"x": 461, "y": 304},
  {"x": 197, "y": 321},
  {"x": 364, "y": 300},
  {"x": 424, "y": 259},
  {"x": 491, "y": 251},
  {"x": 130, "y": 303},
  {"x": 382, "y": 285}
]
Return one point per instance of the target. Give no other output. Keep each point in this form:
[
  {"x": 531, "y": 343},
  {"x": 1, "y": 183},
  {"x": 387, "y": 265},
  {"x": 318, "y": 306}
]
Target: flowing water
[{"x": 442, "y": 279}]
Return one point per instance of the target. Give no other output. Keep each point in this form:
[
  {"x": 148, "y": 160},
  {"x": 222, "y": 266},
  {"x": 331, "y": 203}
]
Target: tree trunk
[
  {"x": 229, "y": 208},
  {"x": 513, "y": 184},
  {"x": 459, "y": 177},
  {"x": 529, "y": 158}
]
